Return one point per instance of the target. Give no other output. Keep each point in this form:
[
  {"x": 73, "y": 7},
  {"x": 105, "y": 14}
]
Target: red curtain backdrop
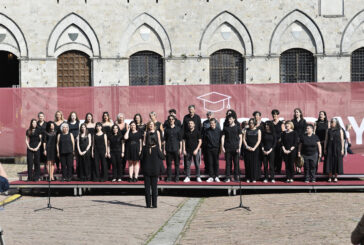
[{"x": 20, "y": 105}]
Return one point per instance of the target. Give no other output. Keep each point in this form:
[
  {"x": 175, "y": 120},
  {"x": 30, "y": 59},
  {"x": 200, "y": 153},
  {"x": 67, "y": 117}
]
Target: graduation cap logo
[{"x": 215, "y": 101}]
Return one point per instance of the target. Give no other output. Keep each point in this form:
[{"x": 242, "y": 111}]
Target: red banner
[{"x": 20, "y": 105}]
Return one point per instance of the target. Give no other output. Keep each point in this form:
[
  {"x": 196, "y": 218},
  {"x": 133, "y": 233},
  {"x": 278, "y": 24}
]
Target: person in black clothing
[
  {"x": 251, "y": 140},
  {"x": 123, "y": 127},
  {"x": 278, "y": 129},
  {"x": 50, "y": 149},
  {"x": 133, "y": 149},
  {"x": 300, "y": 125},
  {"x": 310, "y": 149},
  {"x": 231, "y": 141},
  {"x": 321, "y": 126},
  {"x": 289, "y": 141},
  {"x": 191, "y": 147},
  {"x": 100, "y": 152},
  {"x": 232, "y": 113},
  {"x": 212, "y": 139},
  {"x": 74, "y": 124},
  {"x": 197, "y": 122},
  {"x": 33, "y": 141},
  {"x": 258, "y": 117},
  {"x": 334, "y": 150},
  {"x": 84, "y": 143},
  {"x": 41, "y": 127},
  {"x": 106, "y": 128},
  {"x": 115, "y": 152},
  {"x": 65, "y": 151},
  {"x": 206, "y": 126},
  {"x": 151, "y": 163},
  {"x": 269, "y": 141},
  {"x": 172, "y": 112},
  {"x": 173, "y": 147},
  {"x": 139, "y": 122}
]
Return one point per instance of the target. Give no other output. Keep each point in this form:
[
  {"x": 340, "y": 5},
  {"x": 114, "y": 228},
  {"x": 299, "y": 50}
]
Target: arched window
[
  {"x": 73, "y": 69},
  {"x": 357, "y": 65},
  {"x": 146, "y": 68},
  {"x": 297, "y": 66},
  {"x": 9, "y": 70},
  {"x": 226, "y": 67}
]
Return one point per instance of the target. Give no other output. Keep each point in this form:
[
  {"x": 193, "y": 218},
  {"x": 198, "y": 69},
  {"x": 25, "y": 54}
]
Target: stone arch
[
  {"x": 351, "y": 38},
  {"x": 309, "y": 27},
  {"x": 19, "y": 46},
  {"x": 88, "y": 42},
  {"x": 226, "y": 18},
  {"x": 155, "y": 26}
]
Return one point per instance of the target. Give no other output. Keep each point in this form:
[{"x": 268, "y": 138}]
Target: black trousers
[
  {"x": 232, "y": 157},
  {"x": 172, "y": 156},
  {"x": 100, "y": 159},
  {"x": 289, "y": 160},
  {"x": 84, "y": 164},
  {"x": 278, "y": 158},
  {"x": 310, "y": 164},
  {"x": 213, "y": 161},
  {"x": 151, "y": 182},
  {"x": 268, "y": 159},
  {"x": 33, "y": 160},
  {"x": 67, "y": 165},
  {"x": 116, "y": 164}
]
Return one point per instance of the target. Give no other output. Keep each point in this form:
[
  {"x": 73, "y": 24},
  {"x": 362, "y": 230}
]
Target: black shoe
[
  {"x": 176, "y": 179},
  {"x": 154, "y": 206},
  {"x": 130, "y": 180},
  {"x": 168, "y": 179}
]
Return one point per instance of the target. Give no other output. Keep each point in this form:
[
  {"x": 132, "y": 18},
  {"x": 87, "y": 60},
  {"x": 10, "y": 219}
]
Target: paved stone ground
[
  {"x": 300, "y": 218},
  {"x": 12, "y": 170},
  {"x": 85, "y": 220}
]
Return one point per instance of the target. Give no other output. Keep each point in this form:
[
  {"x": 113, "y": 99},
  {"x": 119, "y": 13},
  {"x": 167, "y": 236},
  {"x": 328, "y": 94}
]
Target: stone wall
[{"x": 185, "y": 33}]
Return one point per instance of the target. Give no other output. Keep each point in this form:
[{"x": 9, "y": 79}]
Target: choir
[{"x": 101, "y": 146}]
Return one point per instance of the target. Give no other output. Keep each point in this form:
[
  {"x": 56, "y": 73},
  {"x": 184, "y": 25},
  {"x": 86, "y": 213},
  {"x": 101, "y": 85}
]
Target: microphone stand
[
  {"x": 49, "y": 205},
  {"x": 241, "y": 200}
]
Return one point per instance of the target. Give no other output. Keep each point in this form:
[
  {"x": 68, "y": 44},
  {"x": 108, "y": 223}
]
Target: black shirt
[
  {"x": 196, "y": 118},
  {"x": 232, "y": 139},
  {"x": 289, "y": 139},
  {"x": 309, "y": 145},
  {"x": 41, "y": 128},
  {"x": 212, "y": 138},
  {"x": 65, "y": 144},
  {"x": 177, "y": 122},
  {"x": 268, "y": 141},
  {"x": 172, "y": 137},
  {"x": 278, "y": 128},
  {"x": 206, "y": 125},
  {"x": 300, "y": 126},
  {"x": 191, "y": 140},
  {"x": 115, "y": 142},
  {"x": 34, "y": 138},
  {"x": 321, "y": 127}
]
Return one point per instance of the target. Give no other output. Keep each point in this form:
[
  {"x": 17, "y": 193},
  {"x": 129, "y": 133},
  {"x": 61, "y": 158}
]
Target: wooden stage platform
[{"x": 353, "y": 179}]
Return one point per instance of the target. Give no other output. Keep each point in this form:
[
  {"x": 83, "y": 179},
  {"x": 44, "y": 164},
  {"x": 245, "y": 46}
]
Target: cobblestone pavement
[
  {"x": 300, "y": 218},
  {"x": 13, "y": 169},
  {"x": 85, "y": 220}
]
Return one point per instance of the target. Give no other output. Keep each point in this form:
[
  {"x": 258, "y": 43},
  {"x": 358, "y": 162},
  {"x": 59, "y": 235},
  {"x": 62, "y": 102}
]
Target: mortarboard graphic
[{"x": 215, "y": 101}]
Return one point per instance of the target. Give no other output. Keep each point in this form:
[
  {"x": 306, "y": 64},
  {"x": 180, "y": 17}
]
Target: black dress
[
  {"x": 133, "y": 146},
  {"x": 100, "y": 160},
  {"x": 74, "y": 129},
  {"x": 251, "y": 158},
  {"x": 50, "y": 139},
  {"x": 299, "y": 126},
  {"x": 334, "y": 163},
  {"x": 85, "y": 160},
  {"x": 321, "y": 127},
  {"x": 42, "y": 130}
]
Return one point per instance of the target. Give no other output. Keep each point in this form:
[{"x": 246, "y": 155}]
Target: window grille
[
  {"x": 146, "y": 68},
  {"x": 297, "y": 66},
  {"x": 227, "y": 67},
  {"x": 357, "y": 65}
]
